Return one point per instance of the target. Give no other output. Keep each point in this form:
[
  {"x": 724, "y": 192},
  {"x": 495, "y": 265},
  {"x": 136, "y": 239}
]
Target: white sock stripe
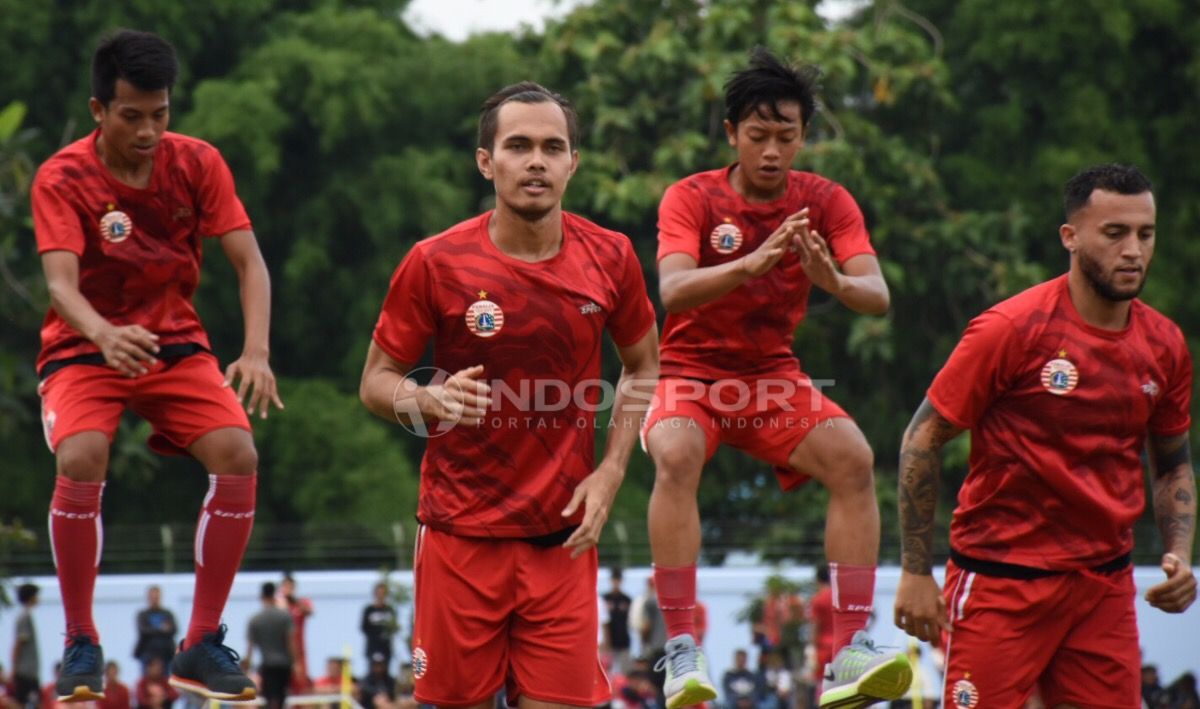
[
  {"x": 99, "y": 539},
  {"x": 201, "y": 530},
  {"x": 833, "y": 584},
  {"x": 50, "y": 527},
  {"x": 212, "y": 490}
]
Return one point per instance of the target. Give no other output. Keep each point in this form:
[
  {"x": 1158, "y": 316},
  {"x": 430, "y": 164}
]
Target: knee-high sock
[
  {"x": 676, "y": 586},
  {"x": 222, "y": 533},
  {"x": 77, "y": 538},
  {"x": 853, "y": 600}
]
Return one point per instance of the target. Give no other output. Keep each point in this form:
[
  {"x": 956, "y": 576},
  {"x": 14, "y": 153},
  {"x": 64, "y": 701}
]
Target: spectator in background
[
  {"x": 300, "y": 609},
  {"x": 820, "y": 616},
  {"x": 741, "y": 686},
  {"x": 154, "y": 691},
  {"x": 378, "y": 684},
  {"x": 646, "y": 619},
  {"x": 271, "y": 632},
  {"x": 700, "y": 618},
  {"x": 116, "y": 693},
  {"x": 6, "y": 700},
  {"x": 616, "y": 631},
  {"x": 779, "y": 682},
  {"x": 1182, "y": 692},
  {"x": 156, "y": 631},
  {"x": 25, "y": 658},
  {"x": 1151, "y": 686},
  {"x": 331, "y": 681},
  {"x": 379, "y": 625}
]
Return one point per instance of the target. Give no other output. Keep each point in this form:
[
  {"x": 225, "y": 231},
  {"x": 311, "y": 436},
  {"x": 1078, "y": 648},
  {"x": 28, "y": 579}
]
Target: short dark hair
[
  {"x": 26, "y": 592},
  {"x": 143, "y": 59},
  {"x": 268, "y": 590},
  {"x": 767, "y": 81},
  {"x": 617, "y": 573},
  {"x": 523, "y": 92},
  {"x": 823, "y": 573},
  {"x": 1113, "y": 177}
]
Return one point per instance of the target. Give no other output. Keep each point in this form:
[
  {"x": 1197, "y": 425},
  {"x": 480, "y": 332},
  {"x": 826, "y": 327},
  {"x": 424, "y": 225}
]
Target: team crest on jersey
[
  {"x": 1060, "y": 375},
  {"x": 726, "y": 238},
  {"x": 484, "y": 318},
  {"x": 420, "y": 663},
  {"x": 115, "y": 226},
  {"x": 966, "y": 696}
]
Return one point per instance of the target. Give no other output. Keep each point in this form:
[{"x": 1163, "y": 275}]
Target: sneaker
[
  {"x": 82, "y": 676},
  {"x": 210, "y": 669},
  {"x": 860, "y": 675},
  {"x": 687, "y": 674}
]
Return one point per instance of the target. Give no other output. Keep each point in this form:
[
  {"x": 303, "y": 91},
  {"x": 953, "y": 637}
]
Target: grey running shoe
[
  {"x": 687, "y": 674},
  {"x": 861, "y": 675}
]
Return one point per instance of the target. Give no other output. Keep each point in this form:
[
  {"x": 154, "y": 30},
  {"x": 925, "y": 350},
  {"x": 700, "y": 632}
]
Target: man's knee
[
  {"x": 239, "y": 459},
  {"x": 843, "y": 462},
  {"x": 678, "y": 456},
  {"x": 83, "y": 457}
]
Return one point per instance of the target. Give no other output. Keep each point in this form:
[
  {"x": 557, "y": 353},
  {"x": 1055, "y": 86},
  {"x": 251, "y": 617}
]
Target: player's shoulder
[
  {"x": 1159, "y": 328},
  {"x": 70, "y": 162},
  {"x": 452, "y": 240},
  {"x": 813, "y": 187},
  {"x": 697, "y": 186},
  {"x": 189, "y": 151},
  {"x": 1035, "y": 303},
  {"x": 595, "y": 238}
]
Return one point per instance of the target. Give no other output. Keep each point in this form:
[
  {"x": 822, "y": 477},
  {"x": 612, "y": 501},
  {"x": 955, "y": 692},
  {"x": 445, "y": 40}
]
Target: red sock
[
  {"x": 853, "y": 599},
  {"x": 76, "y": 538},
  {"x": 221, "y": 536},
  {"x": 677, "y": 598}
]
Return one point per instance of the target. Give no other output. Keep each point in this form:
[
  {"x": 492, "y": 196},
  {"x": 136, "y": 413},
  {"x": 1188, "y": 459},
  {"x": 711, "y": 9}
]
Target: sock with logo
[
  {"x": 221, "y": 537},
  {"x": 76, "y": 540},
  {"x": 676, "y": 587},
  {"x": 853, "y": 599}
]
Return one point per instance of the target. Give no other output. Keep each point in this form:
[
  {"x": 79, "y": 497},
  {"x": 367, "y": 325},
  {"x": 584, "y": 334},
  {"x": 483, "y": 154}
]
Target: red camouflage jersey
[
  {"x": 139, "y": 249},
  {"x": 748, "y": 331},
  {"x": 1058, "y": 412},
  {"x": 536, "y": 328}
]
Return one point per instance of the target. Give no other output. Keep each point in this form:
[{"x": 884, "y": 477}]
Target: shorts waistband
[
  {"x": 1002, "y": 570},
  {"x": 177, "y": 350}
]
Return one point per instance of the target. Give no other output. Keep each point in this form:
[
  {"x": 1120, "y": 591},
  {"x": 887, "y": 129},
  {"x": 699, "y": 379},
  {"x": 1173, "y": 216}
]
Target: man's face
[
  {"x": 531, "y": 160},
  {"x": 288, "y": 587},
  {"x": 767, "y": 146},
  {"x": 133, "y": 122},
  {"x": 154, "y": 597},
  {"x": 380, "y": 594},
  {"x": 1112, "y": 236},
  {"x": 739, "y": 660}
]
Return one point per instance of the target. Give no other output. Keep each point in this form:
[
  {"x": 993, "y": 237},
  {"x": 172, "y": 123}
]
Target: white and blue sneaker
[
  {"x": 861, "y": 675},
  {"x": 687, "y": 674}
]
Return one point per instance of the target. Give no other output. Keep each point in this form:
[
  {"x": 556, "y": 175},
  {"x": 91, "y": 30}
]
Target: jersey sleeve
[
  {"x": 56, "y": 225},
  {"x": 680, "y": 219},
  {"x": 980, "y": 368},
  {"x": 844, "y": 228},
  {"x": 220, "y": 209},
  {"x": 634, "y": 315},
  {"x": 407, "y": 320},
  {"x": 1172, "y": 415}
]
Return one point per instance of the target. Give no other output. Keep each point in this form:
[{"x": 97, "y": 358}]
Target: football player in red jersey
[
  {"x": 512, "y": 503},
  {"x": 119, "y": 217},
  {"x": 1061, "y": 387},
  {"x": 740, "y": 248}
]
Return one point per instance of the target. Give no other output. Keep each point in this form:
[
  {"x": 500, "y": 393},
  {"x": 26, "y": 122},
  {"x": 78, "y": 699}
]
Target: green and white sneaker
[
  {"x": 861, "y": 675},
  {"x": 687, "y": 674}
]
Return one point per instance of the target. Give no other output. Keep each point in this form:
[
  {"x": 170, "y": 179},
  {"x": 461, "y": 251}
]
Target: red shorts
[
  {"x": 765, "y": 417},
  {"x": 1073, "y": 636},
  {"x": 182, "y": 400},
  {"x": 503, "y": 612}
]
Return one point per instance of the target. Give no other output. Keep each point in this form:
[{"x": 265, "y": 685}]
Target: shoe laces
[
  {"x": 220, "y": 657},
  {"x": 679, "y": 662},
  {"x": 82, "y": 657}
]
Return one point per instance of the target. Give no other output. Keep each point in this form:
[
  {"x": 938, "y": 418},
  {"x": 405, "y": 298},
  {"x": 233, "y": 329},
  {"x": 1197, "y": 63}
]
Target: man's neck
[
  {"x": 737, "y": 179},
  {"x": 523, "y": 239},
  {"x": 133, "y": 174},
  {"x": 1095, "y": 309}
]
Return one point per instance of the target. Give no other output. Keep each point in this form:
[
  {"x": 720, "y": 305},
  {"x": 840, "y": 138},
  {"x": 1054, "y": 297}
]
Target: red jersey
[
  {"x": 748, "y": 331},
  {"x": 1059, "y": 411},
  {"x": 139, "y": 249},
  {"x": 536, "y": 329}
]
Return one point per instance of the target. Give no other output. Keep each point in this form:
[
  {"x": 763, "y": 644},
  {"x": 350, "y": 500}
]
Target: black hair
[
  {"x": 823, "y": 573},
  {"x": 523, "y": 92},
  {"x": 766, "y": 82},
  {"x": 26, "y": 592},
  {"x": 143, "y": 59},
  {"x": 268, "y": 590},
  {"x": 1113, "y": 177},
  {"x": 617, "y": 573}
]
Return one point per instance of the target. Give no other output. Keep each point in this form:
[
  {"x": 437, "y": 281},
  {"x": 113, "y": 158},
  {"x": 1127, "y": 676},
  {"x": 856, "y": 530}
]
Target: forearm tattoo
[
  {"x": 920, "y": 468},
  {"x": 1174, "y": 492}
]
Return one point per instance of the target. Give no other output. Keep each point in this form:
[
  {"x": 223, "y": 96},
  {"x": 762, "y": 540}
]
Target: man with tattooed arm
[{"x": 1061, "y": 386}]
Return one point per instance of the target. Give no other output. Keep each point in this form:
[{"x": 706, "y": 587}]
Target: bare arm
[
  {"x": 683, "y": 286},
  {"x": 861, "y": 286},
  {"x": 388, "y": 393},
  {"x": 920, "y": 608},
  {"x": 252, "y": 370},
  {"x": 635, "y": 388},
  {"x": 126, "y": 348},
  {"x": 1174, "y": 496}
]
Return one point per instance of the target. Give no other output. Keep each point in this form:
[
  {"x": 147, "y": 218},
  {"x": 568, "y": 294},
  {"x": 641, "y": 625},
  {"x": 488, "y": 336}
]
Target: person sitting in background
[
  {"x": 116, "y": 693},
  {"x": 331, "y": 681},
  {"x": 377, "y": 682},
  {"x": 404, "y": 692},
  {"x": 742, "y": 687},
  {"x": 154, "y": 690}
]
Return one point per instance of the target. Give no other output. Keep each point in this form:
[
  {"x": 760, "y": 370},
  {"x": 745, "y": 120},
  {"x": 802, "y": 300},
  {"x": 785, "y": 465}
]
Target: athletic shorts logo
[
  {"x": 965, "y": 695},
  {"x": 49, "y": 418},
  {"x": 420, "y": 663},
  {"x": 1060, "y": 376},
  {"x": 116, "y": 227},
  {"x": 726, "y": 238},
  {"x": 484, "y": 318}
]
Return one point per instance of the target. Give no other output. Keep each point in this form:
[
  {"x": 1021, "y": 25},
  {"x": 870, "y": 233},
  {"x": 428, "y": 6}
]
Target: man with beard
[
  {"x": 1061, "y": 387},
  {"x": 511, "y": 504}
]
